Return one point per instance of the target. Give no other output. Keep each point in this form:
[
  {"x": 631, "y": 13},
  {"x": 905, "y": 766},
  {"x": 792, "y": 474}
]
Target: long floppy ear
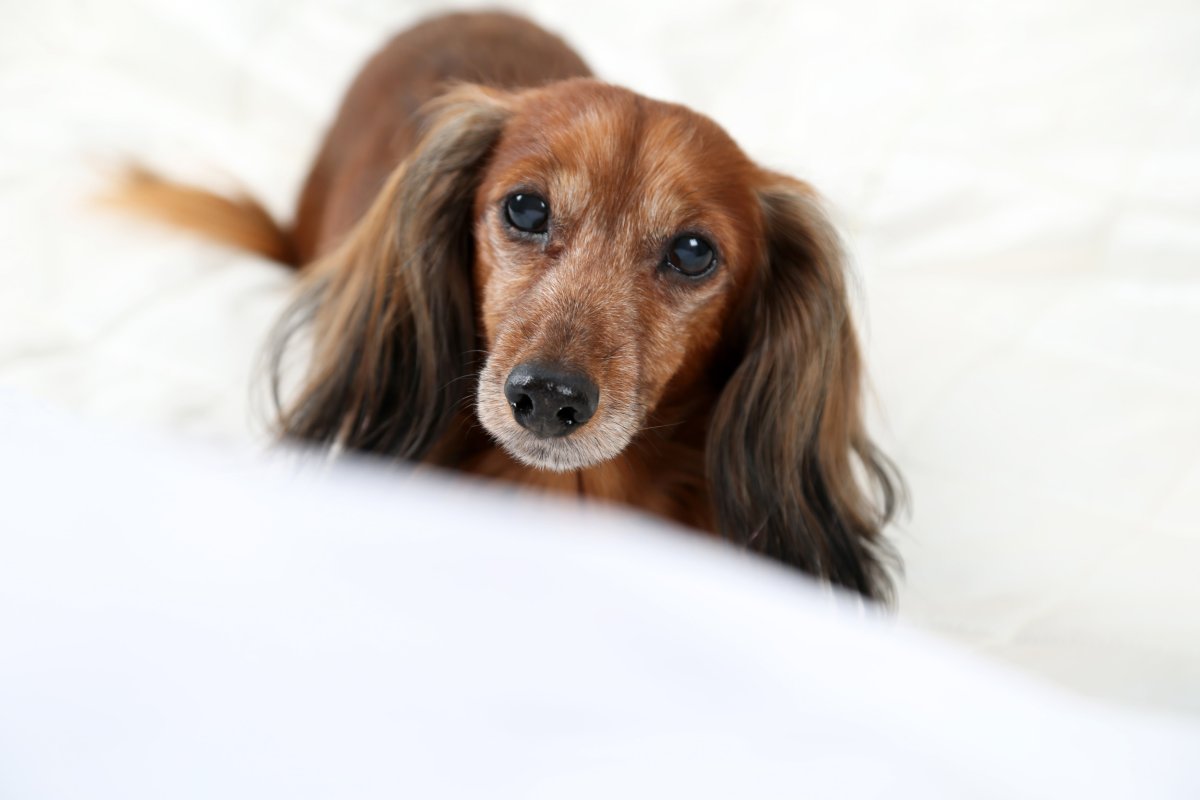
[
  {"x": 793, "y": 471},
  {"x": 390, "y": 311}
]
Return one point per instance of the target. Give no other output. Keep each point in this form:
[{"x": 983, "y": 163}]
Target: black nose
[{"x": 550, "y": 401}]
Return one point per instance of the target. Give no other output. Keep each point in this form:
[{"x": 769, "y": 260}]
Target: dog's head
[
  {"x": 610, "y": 256},
  {"x": 612, "y": 235}
]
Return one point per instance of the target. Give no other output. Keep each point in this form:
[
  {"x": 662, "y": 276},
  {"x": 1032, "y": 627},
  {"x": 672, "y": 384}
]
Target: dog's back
[
  {"x": 375, "y": 128},
  {"x": 378, "y": 123}
]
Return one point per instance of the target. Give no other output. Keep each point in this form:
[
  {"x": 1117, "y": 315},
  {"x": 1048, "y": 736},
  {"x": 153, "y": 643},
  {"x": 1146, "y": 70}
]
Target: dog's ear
[
  {"x": 793, "y": 472},
  {"x": 390, "y": 311}
]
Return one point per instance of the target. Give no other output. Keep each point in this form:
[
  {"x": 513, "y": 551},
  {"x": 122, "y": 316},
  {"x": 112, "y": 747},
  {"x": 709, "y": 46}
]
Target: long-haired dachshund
[{"x": 517, "y": 271}]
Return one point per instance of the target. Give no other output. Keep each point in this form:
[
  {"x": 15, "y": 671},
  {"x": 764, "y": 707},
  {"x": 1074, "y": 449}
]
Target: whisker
[
  {"x": 659, "y": 427},
  {"x": 456, "y": 380}
]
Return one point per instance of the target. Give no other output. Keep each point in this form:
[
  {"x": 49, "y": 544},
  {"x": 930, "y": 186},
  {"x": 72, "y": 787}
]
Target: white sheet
[
  {"x": 1019, "y": 182},
  {"x": 193, "y": 625}
]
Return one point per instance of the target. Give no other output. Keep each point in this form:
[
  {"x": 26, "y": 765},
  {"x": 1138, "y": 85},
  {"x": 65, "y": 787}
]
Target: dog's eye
[
  {"x": 690, "y": 255},
  {"x": 527, "y": 212}
]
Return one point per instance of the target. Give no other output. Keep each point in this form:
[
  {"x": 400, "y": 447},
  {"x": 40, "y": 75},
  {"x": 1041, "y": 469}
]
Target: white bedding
[
  {"x": 1019, "y": 183},
  {"x": 190, "y": 624}
]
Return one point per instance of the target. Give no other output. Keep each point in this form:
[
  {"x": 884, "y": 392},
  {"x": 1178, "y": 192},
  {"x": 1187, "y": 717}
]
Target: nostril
[
  {"x": 567, "y": 416},
  {"x": 523, "y": 404}
]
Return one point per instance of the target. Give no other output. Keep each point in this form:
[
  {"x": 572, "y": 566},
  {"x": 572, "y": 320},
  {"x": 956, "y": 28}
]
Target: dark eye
[
  {"x": 527, "y": 212},
  {"x": 690, "y": 255}
]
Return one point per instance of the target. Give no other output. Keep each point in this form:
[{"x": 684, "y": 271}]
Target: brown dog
[{"x": 521, "y": 272}]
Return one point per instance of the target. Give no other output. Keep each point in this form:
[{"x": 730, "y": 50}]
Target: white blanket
[
  {"x": 183, "y": 624},
  {"x": 1019, "y": 183}
]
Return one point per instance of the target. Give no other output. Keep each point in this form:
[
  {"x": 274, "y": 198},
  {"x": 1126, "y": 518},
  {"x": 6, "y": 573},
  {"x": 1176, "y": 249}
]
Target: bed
[{"x": 1019, "y": 186}]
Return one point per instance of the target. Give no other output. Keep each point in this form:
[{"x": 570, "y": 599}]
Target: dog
[{"x": 514, "y": 270}]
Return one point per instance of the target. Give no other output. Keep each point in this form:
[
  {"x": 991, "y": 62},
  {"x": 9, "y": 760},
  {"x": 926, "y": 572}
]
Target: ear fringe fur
[
  {"x": 794, "y": 474},
  {"x": 391, "y": 310}
]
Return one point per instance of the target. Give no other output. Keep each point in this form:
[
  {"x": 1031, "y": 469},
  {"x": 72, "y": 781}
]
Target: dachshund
[{"x": 514, "y": 270}]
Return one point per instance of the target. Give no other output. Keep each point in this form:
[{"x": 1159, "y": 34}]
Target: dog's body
[{"x": 523, "y": 273}]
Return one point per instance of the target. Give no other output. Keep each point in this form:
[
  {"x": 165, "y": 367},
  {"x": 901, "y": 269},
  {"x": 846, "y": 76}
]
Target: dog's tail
[{"x": 238, "y": 221}]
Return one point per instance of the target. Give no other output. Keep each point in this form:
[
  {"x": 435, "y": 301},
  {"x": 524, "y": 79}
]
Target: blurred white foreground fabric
[
  {"x": 186, "y": 624},
  {"x": 1019, "y": 183}
]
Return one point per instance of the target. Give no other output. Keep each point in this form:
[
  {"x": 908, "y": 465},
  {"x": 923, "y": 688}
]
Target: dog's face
[{"x": 612, "y": 235}]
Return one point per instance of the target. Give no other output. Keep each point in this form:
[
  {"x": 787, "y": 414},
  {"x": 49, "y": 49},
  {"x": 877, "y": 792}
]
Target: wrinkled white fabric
[
  {"x": 1019, "y": 185},
  {"x": 191, "y": 624}
]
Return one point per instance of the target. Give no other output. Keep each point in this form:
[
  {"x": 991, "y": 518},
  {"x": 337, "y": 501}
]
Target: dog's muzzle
[{"x": 550, "y": 401}]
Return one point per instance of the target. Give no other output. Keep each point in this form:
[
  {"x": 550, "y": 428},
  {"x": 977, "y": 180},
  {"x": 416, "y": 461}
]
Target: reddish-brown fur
[{"x": 728, "y": 403}]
